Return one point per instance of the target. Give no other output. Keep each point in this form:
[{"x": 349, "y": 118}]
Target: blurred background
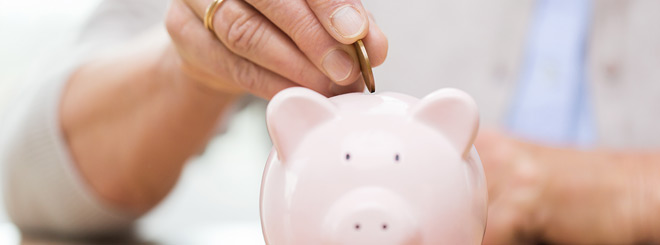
[{"x": 217, "y": 199}]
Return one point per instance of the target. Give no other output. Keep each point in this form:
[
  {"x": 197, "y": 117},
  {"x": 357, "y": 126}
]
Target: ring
[{"x": 210, "y": 13}]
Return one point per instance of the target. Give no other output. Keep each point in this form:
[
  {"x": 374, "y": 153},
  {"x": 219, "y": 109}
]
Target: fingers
[
  {"x": 357, "y": 86},
  {"x": 335, "y": 61},
  {"x": 206, "y": 59},
  {"x": 285, "y": 37},
  {"x": 247, "y": 33},
  {"x": 295, "y": 18},
  {"x": 345, "y": 20}
]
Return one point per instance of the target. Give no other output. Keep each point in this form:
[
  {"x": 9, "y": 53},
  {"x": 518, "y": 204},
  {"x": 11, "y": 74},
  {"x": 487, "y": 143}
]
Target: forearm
[
  {"x": 132, "y": 120},
  {"x": 602, "y": 196}
]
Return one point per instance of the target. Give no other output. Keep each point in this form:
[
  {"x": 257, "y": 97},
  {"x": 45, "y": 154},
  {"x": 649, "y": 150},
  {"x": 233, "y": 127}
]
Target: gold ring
[{"x": 210, "y": 13}]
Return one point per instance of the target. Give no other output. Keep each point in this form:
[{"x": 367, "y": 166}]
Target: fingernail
[
  {"x": 348, "y": 21},
  {"x": 338, "y": 64}
]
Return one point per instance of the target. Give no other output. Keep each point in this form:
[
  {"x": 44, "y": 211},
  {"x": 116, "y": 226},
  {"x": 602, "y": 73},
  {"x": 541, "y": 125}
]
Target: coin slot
[
  {"x": 396, "y": 157},
  {"x": 348, "y": 156}
]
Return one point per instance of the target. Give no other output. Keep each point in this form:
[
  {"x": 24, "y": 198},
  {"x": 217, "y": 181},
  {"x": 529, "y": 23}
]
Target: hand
[
  {"x": 264, "y": 46},
  {"x": 567, "y": 196},
  {"x": 513, "y": 189}
]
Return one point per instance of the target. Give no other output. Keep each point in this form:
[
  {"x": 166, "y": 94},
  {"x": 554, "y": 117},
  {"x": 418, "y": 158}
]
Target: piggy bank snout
[{"x": 373, "y": 216}]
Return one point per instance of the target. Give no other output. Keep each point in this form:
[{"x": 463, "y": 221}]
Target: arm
[
  {"x": 599, "y": 196},
  {"x": 131, "y": 121},
  {"x": 569, "y": 196},
  {"x": 125, "y": 123}
]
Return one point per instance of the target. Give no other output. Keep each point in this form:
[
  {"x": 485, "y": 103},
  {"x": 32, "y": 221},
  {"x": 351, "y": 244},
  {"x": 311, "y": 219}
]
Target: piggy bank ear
[
  {"x": 451, "y": 112},
  {"x": 292, "y": 113}
]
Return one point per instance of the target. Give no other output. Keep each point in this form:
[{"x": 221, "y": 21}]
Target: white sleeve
[{"x": 43, "y": 192}]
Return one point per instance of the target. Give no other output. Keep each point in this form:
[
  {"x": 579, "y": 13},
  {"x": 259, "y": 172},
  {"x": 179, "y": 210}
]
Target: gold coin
[{"x": 365, "y": 66}]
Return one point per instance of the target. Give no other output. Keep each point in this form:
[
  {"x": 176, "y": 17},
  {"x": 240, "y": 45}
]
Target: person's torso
[{"x": 479, "y": 46}]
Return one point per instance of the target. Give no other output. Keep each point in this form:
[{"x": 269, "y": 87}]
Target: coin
[{"x": 365, "y": 66}]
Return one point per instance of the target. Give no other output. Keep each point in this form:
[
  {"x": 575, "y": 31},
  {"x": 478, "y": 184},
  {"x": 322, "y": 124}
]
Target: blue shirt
[{"x": 551, "y": 104}]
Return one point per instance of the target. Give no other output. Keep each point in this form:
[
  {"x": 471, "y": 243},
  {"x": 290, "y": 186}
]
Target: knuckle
[
  {"x": 326, "y": 5},
  {"x": 177, "y": 24},
  {"x": 246, "y": 30},
  {"x": 173, "y": 22},
  {"x": 306, "y": 27},
  {"x": 247, "y": 75}
]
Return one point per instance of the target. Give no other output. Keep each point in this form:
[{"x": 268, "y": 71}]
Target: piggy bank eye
[
  {"x": 396, "y": 157},
  {"x": 348, "y": 156}
]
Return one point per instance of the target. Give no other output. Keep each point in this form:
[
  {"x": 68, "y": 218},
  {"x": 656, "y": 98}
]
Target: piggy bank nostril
[
  {"x": 384, "y": 226},
  {"x": 357, "y": 226}
]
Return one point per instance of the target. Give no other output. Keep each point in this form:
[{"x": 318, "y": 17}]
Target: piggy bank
[{"x": 382, "y": 168}]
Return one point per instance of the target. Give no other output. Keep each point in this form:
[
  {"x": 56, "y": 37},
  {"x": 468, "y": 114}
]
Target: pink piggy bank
[{"x": 385, "y": 168}]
